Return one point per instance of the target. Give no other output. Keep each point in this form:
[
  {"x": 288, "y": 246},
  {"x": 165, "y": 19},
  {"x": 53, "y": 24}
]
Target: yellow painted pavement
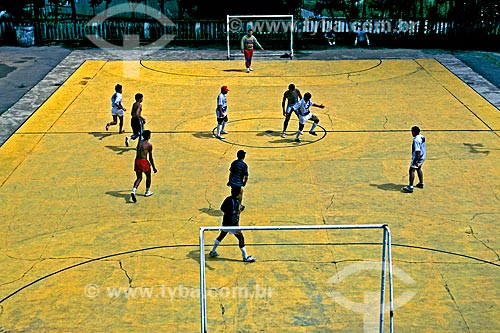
[{"x": 71, "y": 237}]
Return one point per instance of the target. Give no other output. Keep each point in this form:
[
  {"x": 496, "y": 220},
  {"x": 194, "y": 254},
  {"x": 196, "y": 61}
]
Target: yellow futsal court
[{"x": 78, "y": 256}]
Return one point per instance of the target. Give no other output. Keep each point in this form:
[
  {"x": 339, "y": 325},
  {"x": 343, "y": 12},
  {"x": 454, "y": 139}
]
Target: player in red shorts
[
  {"x": 142, "y": 165},
  {"x": 247, "y": 46}
]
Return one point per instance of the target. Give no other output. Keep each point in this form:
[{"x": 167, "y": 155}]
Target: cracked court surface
[{"x": 72, "y": 238}]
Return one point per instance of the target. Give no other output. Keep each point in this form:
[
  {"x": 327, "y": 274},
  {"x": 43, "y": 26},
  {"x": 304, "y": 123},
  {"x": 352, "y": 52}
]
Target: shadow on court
[
  {"x": 388, "y": 187},
  {"x": 234, "y": 70},
  {"x": 211, "y": 212},
  {"x": 203, "y": 135},
  {"x": 120, "y": 150},
  {"x": 125, "y": 195},
  {"x": 101, "y": 135}
]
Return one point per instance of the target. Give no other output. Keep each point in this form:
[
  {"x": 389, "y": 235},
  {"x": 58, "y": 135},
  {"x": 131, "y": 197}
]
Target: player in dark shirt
[
  {"x": 232, "y": 209},
  {"x": 238, "y": 173}
]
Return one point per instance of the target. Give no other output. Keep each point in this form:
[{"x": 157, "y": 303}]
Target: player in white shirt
[
  {"x": 117, "y": 109},
  {"x": 302, "y": 109},
  {"x": 221, "y": 112},
  {"x": 418, "y": 155}
]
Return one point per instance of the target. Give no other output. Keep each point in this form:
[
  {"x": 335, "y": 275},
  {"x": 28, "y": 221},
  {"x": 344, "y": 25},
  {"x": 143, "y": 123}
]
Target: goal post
[
  {"x": 264, "y": 26},
  {"x": 386, "y": 263}
]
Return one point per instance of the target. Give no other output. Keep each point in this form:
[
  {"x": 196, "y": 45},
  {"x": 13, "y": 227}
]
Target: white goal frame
[
  {"x": 291, "y": 30},
  {"x": 386, "y": 262}
]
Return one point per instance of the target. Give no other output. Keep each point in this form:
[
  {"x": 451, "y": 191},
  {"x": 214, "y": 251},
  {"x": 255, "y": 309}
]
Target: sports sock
[
  {"x": 216, "y": 243},
  {"x": 313, "y": 127},
  {"x": 244, "y": 252},
  {"x": 134, "y": 189},
  {"x": 218, "y": 129},
  {"x": 223, "y": 126}
]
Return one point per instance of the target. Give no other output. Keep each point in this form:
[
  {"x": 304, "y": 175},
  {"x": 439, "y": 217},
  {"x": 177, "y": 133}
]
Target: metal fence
[{"x": 113, "y": 30}]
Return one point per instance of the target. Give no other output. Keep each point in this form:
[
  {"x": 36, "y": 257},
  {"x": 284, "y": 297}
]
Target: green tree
[
  {"x": 16, "y": 8},
  {"x": 218, "y": 9},
  {"x": 161, "y": 3},
  {"x": 335, "y": 6},
  {"x": 134, "y": 4},
  {"x": 96, "y": 3}
]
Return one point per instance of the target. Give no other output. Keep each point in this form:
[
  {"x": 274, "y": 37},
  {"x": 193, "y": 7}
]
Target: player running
[
  {"x": 137, "y": 121},
  {"x": 302, "y": 107},
  {"x": 141, "y": 164},
  {"x": 232, "y": 209},
  {"x": 291, "y": 96},
  {"x": 117, "y": 109}
]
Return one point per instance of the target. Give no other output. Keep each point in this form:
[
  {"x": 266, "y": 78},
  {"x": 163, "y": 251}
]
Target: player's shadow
[
  {"x": 100, "y": 135},
  {"x": 275, "y": 136},
  {"x": 211, "y": 212},
  {"x": 235, "y": 70},
  {"x": 388, "y": 186},
  {"x": 120, "y": 150},
  {"x": 195, "y": 254},
  {"x": 473, "y": 148},
  {"x": 125, "y": 195},
  {"x": 203, "y": 135},
  {"x": 269, "y": 133}
]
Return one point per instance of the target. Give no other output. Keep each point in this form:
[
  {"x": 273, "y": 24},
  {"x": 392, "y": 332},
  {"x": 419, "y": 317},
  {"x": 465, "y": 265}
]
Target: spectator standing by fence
[{"x": 361, "y": 37}]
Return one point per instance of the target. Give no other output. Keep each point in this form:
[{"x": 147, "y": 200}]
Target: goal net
[
  {"x": 307, "y": 277},
  {"x": 273, "y": 32}
]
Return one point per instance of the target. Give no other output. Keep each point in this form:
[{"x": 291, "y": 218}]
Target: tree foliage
[
  {"x": 96, "y": 3},
  {"x": 456, "y": 10},
  {"x": 461, "y": 10},
  {"x": 217, "y": 9}
]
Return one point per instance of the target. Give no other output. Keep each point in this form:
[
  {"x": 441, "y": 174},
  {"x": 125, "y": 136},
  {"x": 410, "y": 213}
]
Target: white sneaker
[
  {"x": 249, "y": 259},
  {"x": 283, "y": 134},
  {"x": 224, "y": 132},
  {"x": 220, "y": 137},
  {"x": 250, "y": 68},
  {"x": 213, "y": 254},
  {"x": 148, "y": 194}
]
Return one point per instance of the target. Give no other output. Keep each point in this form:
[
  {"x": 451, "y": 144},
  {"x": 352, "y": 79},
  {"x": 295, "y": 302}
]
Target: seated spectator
[{"x": 330, "y": 37}]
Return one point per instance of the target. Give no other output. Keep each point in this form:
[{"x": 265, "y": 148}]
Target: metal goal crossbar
[{"x": 386, "y": 263}]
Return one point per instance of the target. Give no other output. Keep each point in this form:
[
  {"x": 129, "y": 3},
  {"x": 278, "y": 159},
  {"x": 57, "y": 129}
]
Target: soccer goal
[
  {"x": 386, "y": 263},
  {"x": 274, "y": 32}
]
